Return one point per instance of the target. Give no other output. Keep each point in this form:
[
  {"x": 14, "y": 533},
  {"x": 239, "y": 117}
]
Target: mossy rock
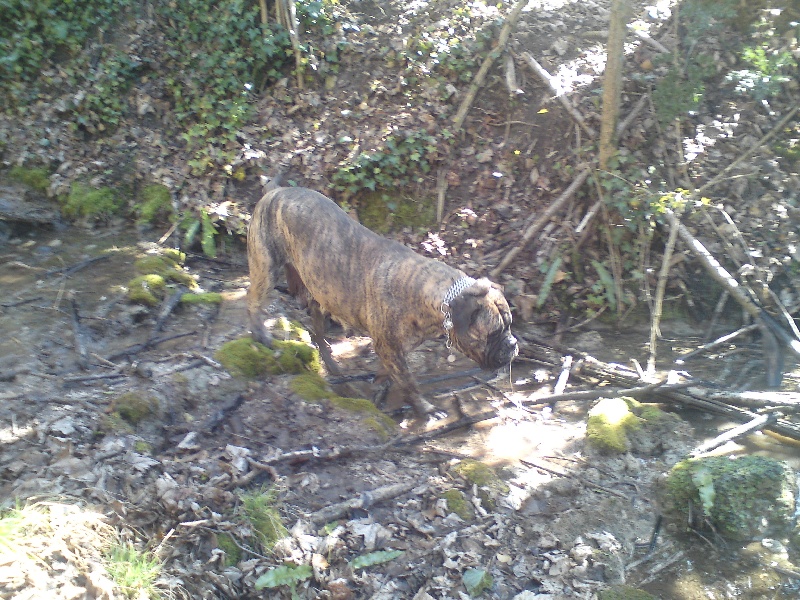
[
  {"x": 296, "y": 356},
  {"x": 147, "y": 289},
  {"x": 311, "y": 387},
  {"x": 36, "y": 178},
  {"x": 624, "y": 592},
  {"x": 165, "y": 266},
  {"x": 608, "y": 425},
  {"x": 458, "y": 503},
  {"x": 155, "y": 203},
  {"x": 744, "y": 498},
  {"x": 382, "y": 212},
  {"x": 203, "y": 298},
  {"x": 133, "y": 407},
  {"x": 247, "y": 358},
  {"x": 89, "y": 202},
  {"x": 489, "y": 484}
]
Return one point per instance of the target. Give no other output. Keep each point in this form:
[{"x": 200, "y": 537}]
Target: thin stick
[
  {"x": 539, "y": 223},
  {"x": 477, "y": 82},
  {"x": 364, "y": 500},
  {"x": 756, "y": 424},
  {"x": 716, "y": 343},
  {"x": 655, "y": 318},
  {"x": 555, "y": 87}
]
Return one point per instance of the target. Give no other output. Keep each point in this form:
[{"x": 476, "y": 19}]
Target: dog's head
[{"x": 482, "y": 325}]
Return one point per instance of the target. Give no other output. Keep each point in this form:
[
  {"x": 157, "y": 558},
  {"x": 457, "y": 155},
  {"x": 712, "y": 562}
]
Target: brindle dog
[{"x": 372, "y": 284}]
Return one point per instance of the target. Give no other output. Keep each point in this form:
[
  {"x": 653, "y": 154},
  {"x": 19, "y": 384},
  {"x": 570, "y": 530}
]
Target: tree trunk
[{"x": 612, "y": 82}]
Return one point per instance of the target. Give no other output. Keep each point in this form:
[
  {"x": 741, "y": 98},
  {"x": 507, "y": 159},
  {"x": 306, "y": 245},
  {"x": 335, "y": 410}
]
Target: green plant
[
  {"x": 219, "y": 58},
  {"x": 86, "y": 201},
  {"x": 134, "y": 571},
  {"x": 397, "y": 162},
  {"x": 32, "y": 34},
  {"x": 101, "y": 102},
  {"x": 768, "y": 73},
  {"x": 259, "y": 508},
  {"x": 288, "y": 575}
]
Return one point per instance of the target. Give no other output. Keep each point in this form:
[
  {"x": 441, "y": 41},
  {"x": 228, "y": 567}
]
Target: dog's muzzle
[{"x": 501, "y": 348}]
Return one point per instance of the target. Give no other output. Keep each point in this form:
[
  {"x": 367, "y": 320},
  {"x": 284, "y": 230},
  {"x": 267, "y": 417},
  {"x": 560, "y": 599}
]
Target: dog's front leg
[{"x": 394, "y": 362}]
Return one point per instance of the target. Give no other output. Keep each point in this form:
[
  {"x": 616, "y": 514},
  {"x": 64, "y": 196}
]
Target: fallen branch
[
  {"x": 77, "y": 333},
  {"x": 721, "y": 275},
  {"x": 477, "y": 81},
  {"x": 136, "y": 348},
  {"x": 555, "y": 87},
  {"x": 756, "y": 424},
  {"x": 76, "y": 267},
  {"x": 716, "y": 343},
  {"x": 364, "y": 501},
  {"x": 543, "y": 219},
  {"x": 166, "y": 309}
]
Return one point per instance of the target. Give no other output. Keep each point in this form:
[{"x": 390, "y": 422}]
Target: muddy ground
[{"x": 562, "y": 521}]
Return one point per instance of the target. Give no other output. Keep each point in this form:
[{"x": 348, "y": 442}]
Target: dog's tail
[{"x": 273, "y": 181}]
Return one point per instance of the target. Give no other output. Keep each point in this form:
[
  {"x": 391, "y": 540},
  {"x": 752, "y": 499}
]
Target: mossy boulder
[
  {"x": 247, "y": 358},
  {"x": 742, "y": 498},
  {"x": 617, "y": 425},
  {"x": 88, "y": 202},
  {"x": 485, "y": 478},
  {"x": 147, "y": 289},
  {"x": 458, "y": 503},
  {"x": 36, "y": 178},
  {"x": 624, "y": 592},
  {"x": 155, "y": 202},
  {"x": 608, "y": 425}
]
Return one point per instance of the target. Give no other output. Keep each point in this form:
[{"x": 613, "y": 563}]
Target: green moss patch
[
  {"x": 36, "y": 178},
  {"x": 86, "y": 201},
  {"x": 311, "y": 387},
  {"x": 233, "y": 554},
  {"x": 608, "y": 425},
  {"x": 155, "y": 203},
  {"x": 247, "y": 358},
  {"x": 382, "y": 212},
  {"x": 146, "y": 289},
  {"x": 458, "y": 503},
  {"x": 745, "y": 498},
  {"x": 204, "y": 298},
  {"x": 164, "y": 266},
  {"x": 489, "y": 484},
  {"x": 133, "y": 407}
]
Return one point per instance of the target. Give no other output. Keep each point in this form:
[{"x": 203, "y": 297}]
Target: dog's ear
[{"x": 466, "y": 307}]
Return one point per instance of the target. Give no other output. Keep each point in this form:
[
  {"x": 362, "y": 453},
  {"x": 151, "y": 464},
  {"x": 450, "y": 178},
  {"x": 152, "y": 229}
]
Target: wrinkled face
[{"x": 482, "y": 325}]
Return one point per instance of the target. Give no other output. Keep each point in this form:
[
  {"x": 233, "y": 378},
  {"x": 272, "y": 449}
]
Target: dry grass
[{"x": 57, "y": 548}]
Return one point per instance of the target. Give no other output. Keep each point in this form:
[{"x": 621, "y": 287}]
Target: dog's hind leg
[
  {"x": 262, "y": 280},
  {"x": 318, "y": 337}
]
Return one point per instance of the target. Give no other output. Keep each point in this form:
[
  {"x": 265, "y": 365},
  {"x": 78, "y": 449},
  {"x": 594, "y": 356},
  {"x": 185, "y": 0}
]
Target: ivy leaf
[
  {"x": 703, "y": 480},
  {"x": 476, "y": 581},
  {"x": 283, "y": 575},
  {"x": 374, "y": 558}
]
